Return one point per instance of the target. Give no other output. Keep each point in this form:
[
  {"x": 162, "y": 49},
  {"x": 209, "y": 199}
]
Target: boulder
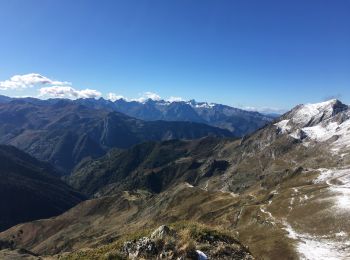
[{"x": 161, "y": 232}]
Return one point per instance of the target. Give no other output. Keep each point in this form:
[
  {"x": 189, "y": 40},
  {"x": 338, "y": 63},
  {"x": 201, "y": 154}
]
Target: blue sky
[{"x": 242, "y": 53}]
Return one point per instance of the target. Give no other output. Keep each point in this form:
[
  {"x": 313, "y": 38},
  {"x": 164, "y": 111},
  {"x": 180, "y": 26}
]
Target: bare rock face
[
  {"x": 161, "y": 232},
  {"x": 143, "y": 247}
]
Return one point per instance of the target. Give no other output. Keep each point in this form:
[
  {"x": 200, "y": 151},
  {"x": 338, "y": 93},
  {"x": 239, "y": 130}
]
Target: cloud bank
[
  {"x": 113, "y": 97},
  {"x": 47, "y": 87},
  {"x": 148, "y": 95},
  {"x": 144, "y": 97},
  {"x": 68, "y": 92},
  {"x": 28, "y": 81}
]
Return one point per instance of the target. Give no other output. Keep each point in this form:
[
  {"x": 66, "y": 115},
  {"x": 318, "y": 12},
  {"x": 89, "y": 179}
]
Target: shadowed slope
[
  {"x": 64, "y": 132},
  {"x": 30, "y": 189}
]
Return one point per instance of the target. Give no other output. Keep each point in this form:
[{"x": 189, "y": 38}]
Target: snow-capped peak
[
  {"x": 196, "y": 104},
  {"x": 319, "y": 122},
  {"x": 309, "y": 114}
]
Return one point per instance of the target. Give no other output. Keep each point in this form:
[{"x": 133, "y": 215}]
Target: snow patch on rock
[
  {"x": 283, "y": 126},
  {"x": 338, "y": 181},
  {"x": 271, "y": 218},
  {"x": 319, "y": 248},
  {"x": 323, "y": 133}
]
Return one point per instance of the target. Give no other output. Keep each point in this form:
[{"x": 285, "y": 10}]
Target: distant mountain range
[
  {"x": 64, "y": 132},
  {"x": 239, "y": 122}
]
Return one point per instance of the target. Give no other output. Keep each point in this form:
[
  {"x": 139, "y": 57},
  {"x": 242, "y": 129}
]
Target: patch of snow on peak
[
  {"x": 323, "y": 133},
  {"x": 309, "y": 111},
  {"x": 204, "y": 105},
  {"x": 283, "y": 125},
  {"x": 319, "y": 122},
  {"x": 320, "y": 132},
  {"x": 196, "y": 104}
]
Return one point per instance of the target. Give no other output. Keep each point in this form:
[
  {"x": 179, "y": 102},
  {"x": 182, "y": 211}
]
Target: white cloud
[
  {"x": 88, "y": 93},
  {"x": 113, "y": 97},
  {"x": 47, "y": 87},
  {"x": 63, "y": 89},
  {"x": 174, "y": 99},
  {"x": 148, "y": 95},
  {"x": 143, "y": 97},
  {"x": 28, "y": 81},
  {"x": 68, "y": 92},
  {"x": 266, "y": 110},
  {"x": 153, "y": 96}
]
